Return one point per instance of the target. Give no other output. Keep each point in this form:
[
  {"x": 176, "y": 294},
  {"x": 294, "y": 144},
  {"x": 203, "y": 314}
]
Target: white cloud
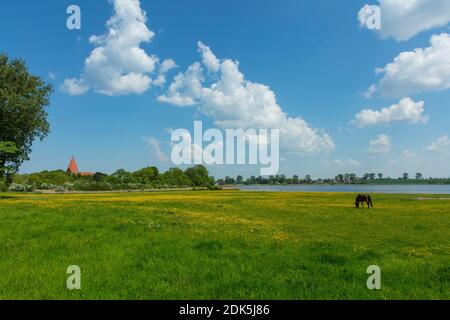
[
  {"x": 75, "y": 87},
  {"x": 185, "y": 88},
  {"x": 370, "y": 91},
  {"x": 346, "y": 162},
  {"x": 382, "y": 144},
  {"x": 208, "y": 58},
  {"x": 167, "y": 65},
  {"x": 441, "y": 145},
  {"x": 234, "y": 102},
  {"x": 118, "y": 65},
  {"x": 403, "y": 19},
  {"x": 417, "y": 71},
  {"x": 405, "y": 111},
  {"x": 155, "y": 147}
]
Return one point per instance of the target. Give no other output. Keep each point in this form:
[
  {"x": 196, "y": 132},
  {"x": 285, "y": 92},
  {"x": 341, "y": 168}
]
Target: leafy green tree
[
  {"x": 175, "y": 177},
  {"x": 7, "y": 148},
  {"x": 229, "y": 180},
  {"x": 99, "y": 177},
  {"x": 23, "y": 118},
  {"x": 419, "y": 176},
  {"x": 239, "y": 179},
  {"x": 147, "y": 175},
  {"x": 121, "y": 176},
  {"x": 199, "y": 176}
]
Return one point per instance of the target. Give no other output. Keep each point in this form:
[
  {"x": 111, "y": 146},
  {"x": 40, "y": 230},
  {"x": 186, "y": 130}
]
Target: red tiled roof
[
  {"x": 73, "y": 168},
  {"x": 86, "y": 174}
]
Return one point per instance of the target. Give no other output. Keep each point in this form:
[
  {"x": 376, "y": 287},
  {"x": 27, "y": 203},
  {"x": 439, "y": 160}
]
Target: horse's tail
[{"x": 370, "y": 201}]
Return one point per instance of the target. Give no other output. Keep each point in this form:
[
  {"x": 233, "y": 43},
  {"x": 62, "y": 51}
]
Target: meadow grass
[{"x": 223, "y": 245}]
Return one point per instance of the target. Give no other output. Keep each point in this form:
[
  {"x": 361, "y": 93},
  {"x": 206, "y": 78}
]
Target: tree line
[
  {"x": 347, "y": 178},
  {"x": 147, "y": 178}
]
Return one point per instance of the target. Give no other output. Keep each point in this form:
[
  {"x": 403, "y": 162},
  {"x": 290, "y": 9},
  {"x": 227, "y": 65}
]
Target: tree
[
  {"x": 199, "y": 176},
  {"x": 239, "y": 179},
  {"x": 6, "y": 148},
  {"x": 405, "y": 176},
  {"x": 229, "y": 180},
  {"x": 352, "y": 177},
  {"x": 98, "y": 177},
  {"x": 122, "y": 176},
  {"x": 147, "y": 175},
  {"x": 23, "y": 118},
  {"x": 419, "y": 176},
  {"x": 176, "y": 177},
  {"x": 380, "y": 176}
]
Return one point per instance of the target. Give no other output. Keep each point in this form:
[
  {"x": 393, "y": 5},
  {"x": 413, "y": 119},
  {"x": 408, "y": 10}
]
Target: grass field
[{"x": 223, "y": 245}]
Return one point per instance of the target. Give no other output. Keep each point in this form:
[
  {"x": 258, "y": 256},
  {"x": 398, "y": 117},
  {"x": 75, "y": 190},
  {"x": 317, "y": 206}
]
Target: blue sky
[{"x": 314, "y": 55}]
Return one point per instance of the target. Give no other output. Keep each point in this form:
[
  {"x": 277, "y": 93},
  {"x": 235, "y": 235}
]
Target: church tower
[{"x": 73, "y": 168}]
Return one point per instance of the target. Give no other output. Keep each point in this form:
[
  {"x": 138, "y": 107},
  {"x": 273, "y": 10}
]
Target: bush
[
  {"x": 15, "y": 187},
  {"x": 60, "y": 189}
]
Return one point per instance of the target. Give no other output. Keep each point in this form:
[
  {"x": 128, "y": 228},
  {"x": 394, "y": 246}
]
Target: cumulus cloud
[
  {"x": 118, "y": 65},
  {"x": 417, "y": 71},
  {"x": 155, "y": 147},
  {"x": 441, "y": 145},
  {"x": 165, "y": 67},
  {"x": 75, "y": 87},
  {"x": 405, "y": 111},
  {"x": 220, "y": 90},
  {"x": 403, "y": 19},
  {"x": 382, "y": 144}
]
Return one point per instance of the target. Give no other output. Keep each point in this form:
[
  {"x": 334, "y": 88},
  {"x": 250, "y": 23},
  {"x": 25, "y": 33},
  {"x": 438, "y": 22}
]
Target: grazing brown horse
[{"x": 364, "y": 198}]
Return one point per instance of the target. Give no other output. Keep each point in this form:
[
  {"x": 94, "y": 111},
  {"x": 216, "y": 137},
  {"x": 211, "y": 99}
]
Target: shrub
[
  {"x": 60, "y": 189},
  {"x": 15, "y": 187}
]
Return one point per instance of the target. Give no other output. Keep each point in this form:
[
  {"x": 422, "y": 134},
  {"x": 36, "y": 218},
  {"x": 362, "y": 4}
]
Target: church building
[{"x": 73, "y": 169}]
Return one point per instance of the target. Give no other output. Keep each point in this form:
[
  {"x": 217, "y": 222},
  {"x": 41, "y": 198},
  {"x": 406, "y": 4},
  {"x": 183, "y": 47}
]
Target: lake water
[{"x": 399, "y": 189}]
